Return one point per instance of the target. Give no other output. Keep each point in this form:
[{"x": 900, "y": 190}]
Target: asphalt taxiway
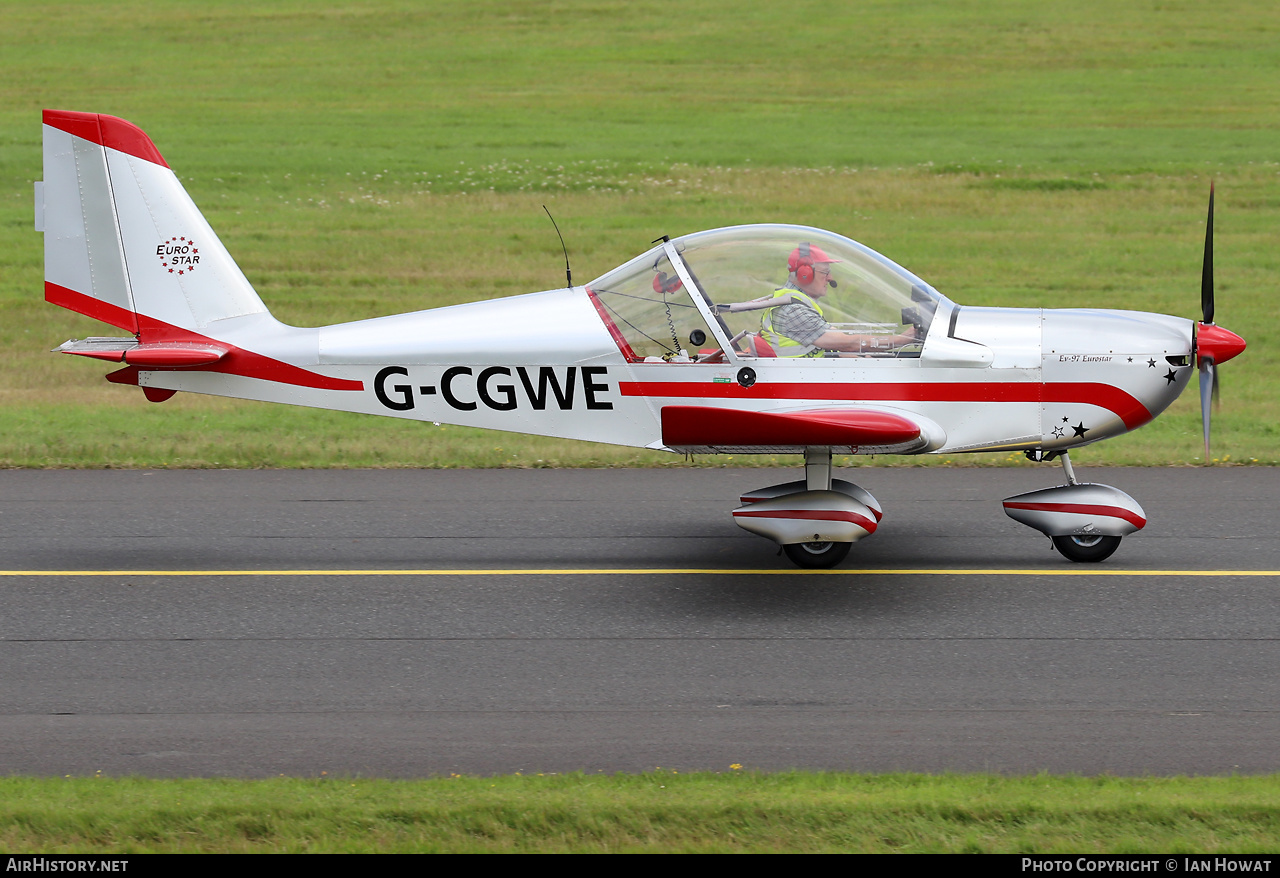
[{"x": 410, "y": 623}]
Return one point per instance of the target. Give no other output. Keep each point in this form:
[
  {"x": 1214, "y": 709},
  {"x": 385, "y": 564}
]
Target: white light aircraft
[{"x": 760, "y": 339}]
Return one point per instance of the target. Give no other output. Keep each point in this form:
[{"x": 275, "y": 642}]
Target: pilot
[{"x": 799, "y": 329}]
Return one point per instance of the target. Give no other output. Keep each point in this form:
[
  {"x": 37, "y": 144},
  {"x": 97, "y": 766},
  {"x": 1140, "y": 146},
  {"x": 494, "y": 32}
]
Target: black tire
[
  {"x": 817, "y": 554},
  {"x": 1088, "y": 549}
]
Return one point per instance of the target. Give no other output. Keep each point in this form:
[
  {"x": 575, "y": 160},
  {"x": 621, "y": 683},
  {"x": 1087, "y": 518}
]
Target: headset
[
  {"x": 664, "y": 283},
  {"x": 800, "y": 262}
]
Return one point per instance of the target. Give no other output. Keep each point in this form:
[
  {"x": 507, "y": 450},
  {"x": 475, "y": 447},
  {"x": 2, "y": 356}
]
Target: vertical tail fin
[{"x": 124, "y": 243}]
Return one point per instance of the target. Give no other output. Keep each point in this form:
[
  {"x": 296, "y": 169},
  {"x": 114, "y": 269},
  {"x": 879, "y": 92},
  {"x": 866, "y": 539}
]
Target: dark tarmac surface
[{"x": 1134, "y": 666}]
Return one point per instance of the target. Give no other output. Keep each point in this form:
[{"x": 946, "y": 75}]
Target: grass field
[
  {"x": 660, "y": 811},
  {"x": 370, "y": 158}
]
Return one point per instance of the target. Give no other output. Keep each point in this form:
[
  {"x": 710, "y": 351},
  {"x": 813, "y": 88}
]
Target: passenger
[{"x": 799, "y": 328}]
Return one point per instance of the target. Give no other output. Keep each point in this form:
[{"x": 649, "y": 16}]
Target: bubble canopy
[{"x": 696, "y": 294}]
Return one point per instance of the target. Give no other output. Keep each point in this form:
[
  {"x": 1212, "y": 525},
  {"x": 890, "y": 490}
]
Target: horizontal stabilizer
[{"x": 174, "y": 355}]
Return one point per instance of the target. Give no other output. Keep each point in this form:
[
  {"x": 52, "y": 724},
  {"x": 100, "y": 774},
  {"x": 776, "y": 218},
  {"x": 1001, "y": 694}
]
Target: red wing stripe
[
  {"x": 1126, "y": 407},
  {"x": 106, "y": 131},
  {"x": 1083, "y": 509},
  {"x": 684, "y": 425},
  {"x": 810, "y": 515}
]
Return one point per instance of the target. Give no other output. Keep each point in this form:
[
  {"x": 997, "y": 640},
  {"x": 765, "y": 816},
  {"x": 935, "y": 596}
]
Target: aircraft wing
[{"x": 846, "y": 430}]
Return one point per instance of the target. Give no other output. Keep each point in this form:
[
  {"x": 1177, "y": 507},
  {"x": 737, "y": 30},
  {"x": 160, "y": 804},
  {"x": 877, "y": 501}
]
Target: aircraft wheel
[
  {"x": 1086, "y": 548},
  {"x": 818, "y": 554}
]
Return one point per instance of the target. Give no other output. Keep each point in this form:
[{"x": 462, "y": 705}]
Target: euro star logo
[{"x": 179, "y": 255}]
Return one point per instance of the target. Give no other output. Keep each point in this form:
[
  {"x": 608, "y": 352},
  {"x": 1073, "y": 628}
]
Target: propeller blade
[
  {"x": 1207, "y": 375},
  {"x": 1206, "y": 277}
]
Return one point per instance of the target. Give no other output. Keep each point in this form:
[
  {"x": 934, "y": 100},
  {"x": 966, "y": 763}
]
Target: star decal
[
  {"x": 1151, "y": 363},
  {"x": 1080, "y": 429},
  {"x": 1131, "y": 359},
  {"x": 1058, "y": 432},
  {"x": 1171, "y": 377}
]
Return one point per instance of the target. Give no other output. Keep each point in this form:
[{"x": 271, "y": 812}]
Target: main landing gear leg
[
  {"x": 817, "y": 469},
  {"x": 817, "y": 553},
  {"x": 816, "y": 519}
]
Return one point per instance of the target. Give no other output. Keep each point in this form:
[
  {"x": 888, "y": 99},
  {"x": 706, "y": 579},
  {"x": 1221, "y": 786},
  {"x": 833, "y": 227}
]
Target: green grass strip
[{"x": 659, "y": 811}]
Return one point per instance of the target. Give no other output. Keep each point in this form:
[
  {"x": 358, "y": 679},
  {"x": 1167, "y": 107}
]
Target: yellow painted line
[{"x": 1082, "y": 570}]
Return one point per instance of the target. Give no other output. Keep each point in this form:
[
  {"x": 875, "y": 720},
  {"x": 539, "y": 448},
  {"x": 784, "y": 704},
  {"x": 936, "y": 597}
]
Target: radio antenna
[{"x": 568, "y": 275}]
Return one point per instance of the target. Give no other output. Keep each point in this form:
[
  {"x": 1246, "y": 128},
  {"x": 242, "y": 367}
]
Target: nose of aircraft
[
  {"x": 1217, "y": 344},
  {"x": 1214, "y": 345}
]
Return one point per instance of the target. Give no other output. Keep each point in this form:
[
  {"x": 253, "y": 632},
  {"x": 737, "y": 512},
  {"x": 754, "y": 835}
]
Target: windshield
[
  {"x": 759, "y": 282},
  {"x": 649, "y": 310}
]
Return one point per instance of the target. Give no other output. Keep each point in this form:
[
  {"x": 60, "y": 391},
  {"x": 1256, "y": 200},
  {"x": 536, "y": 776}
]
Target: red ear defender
[
  {"x": 801, "y": 263},
  {"x": 665, "y": 283}
]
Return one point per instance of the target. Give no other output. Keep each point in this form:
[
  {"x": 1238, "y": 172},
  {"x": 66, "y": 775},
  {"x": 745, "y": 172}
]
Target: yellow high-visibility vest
[{"x": 784, "y": 345}]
